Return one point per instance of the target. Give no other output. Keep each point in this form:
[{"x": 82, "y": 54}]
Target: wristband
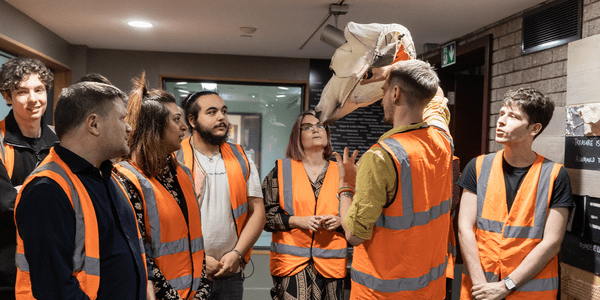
[
  {"x": 344, "y": 190},
  {"x": 240, "y": 257}
]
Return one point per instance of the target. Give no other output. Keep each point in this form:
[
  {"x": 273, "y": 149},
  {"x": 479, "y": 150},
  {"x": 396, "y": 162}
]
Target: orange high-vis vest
[
  {"x": 504, "y": 239},
  {"x": 7, "y": 152},
  {"x": 238, "y": 172},
  {"x": 406, "y": 257},
  {"x": 86, "y": 255},
  {"x": 451, "y": 252},
  {"x": 177, "y": 250},
  {"x": 291, "y": 250}
]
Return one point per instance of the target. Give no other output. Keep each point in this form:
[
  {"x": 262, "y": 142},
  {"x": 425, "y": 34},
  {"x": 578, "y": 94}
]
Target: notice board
[{"x": 360, "y": 129}]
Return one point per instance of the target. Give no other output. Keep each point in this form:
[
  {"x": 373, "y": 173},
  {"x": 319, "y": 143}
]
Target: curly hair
[
  {"x": 535, "y": 105},
  {"x": 18, "y": 69}
]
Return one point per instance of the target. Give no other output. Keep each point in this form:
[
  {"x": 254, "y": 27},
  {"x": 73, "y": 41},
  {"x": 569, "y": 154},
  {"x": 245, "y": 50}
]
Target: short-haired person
[
  {"x": 228, "y": 187},
  {"x": 162, "y": 193},
  {"x": 399, "y": 219},
  {"x": 25, "y": 140},
  {"x": 514, "y": 208},
  {"x": 308, "y": 247},
  {"x": 77, "y": 234},
  {"x": 94, "y": 77}
]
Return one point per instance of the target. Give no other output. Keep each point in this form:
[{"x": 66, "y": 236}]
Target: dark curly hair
[
  {"x": 535, "y": 105},
  {"x": 18, "y": 69}
]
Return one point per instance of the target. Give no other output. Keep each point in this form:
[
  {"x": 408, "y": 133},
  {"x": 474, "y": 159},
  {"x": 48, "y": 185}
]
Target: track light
[{"x": 332, "y": 36}]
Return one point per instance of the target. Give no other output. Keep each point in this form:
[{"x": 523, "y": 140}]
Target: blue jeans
[{"x": 230, "y": 288}]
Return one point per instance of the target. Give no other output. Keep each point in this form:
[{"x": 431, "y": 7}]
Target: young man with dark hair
[
  {"x": 230, "y": 196},
  {"x": 25, "y": 140},
  {"x": 77, "y": 234},
  {"x": 399, "y": 218},
  {"x": 514, "y": 208}
]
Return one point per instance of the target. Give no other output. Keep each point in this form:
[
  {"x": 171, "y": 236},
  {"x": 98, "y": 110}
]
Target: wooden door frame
[{"x": 484, "y": 43}]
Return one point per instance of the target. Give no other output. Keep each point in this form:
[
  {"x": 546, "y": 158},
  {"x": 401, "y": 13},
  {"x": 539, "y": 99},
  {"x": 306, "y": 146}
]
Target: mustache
[{"x": 222, "y": 125}]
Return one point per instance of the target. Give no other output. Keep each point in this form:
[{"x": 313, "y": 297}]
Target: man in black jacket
[{"x": 25, "y": 140}]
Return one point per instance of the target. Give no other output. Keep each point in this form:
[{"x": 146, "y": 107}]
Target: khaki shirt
[{"x": 376, "y": 178}]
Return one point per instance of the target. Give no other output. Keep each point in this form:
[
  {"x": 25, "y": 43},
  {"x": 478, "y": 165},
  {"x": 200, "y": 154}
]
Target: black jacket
[{"x": 26, "y": 159}]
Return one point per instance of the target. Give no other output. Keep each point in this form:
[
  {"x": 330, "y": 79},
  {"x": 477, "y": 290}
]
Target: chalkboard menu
[
  {"x": 360, "y": 129},
  {"x": 582, "y": 152}
]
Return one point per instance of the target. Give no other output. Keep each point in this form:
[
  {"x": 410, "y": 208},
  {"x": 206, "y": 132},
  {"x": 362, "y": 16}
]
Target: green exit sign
[{"x": 449, "y": 54}]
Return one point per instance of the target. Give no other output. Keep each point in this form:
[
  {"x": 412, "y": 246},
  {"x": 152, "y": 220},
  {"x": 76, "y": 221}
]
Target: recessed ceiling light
[
  {"x": 209, "y": 86},
  {"x": 181, "y": 82},
  {"x": 140, "y": 24},
  {"x": 279, "y": 96},
  {"x": 283, "y": 88}
]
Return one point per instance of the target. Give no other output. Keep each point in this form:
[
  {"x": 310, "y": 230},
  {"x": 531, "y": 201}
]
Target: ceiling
[{"x": 212, "y": 26}]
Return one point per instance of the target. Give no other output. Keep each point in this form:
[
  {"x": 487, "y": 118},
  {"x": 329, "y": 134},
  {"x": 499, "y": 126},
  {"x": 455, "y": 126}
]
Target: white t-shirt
[{"x": 218, "y": 225}]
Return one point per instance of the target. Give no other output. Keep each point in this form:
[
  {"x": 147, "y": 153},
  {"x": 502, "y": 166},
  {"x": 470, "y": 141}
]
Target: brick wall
[{"x": 545, "y": 70}]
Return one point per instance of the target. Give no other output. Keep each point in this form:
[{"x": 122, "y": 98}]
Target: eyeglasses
[{"x": 310, "y": 126}]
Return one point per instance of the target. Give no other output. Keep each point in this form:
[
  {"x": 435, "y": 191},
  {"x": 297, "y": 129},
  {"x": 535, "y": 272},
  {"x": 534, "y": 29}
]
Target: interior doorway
[{"x": 466, "y": 85}]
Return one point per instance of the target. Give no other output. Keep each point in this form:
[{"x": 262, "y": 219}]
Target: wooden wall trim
[{"x": 19, "y": 49}]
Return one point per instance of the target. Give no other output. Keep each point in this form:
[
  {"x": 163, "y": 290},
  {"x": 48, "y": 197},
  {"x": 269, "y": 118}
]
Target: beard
[{"x": 207, "y": 135}]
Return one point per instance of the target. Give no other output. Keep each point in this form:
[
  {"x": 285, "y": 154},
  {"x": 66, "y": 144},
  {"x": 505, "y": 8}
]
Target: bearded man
[{"x": 228, "y": 190}]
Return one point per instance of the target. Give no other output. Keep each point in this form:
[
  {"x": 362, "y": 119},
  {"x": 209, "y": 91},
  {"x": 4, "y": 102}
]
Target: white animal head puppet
[{"x": 359, "y": 67}]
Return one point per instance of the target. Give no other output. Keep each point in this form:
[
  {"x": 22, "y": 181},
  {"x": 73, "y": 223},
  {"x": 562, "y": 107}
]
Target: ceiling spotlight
[
  {"x": 140, "y": 24},
  {"x": 209, "y": 86},
  {"x": 332, "y": 36}
]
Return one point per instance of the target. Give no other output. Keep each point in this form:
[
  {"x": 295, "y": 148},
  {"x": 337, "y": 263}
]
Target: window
[
  {"x": 261, "y": 117},
  {"x": 4, "y": 109}
]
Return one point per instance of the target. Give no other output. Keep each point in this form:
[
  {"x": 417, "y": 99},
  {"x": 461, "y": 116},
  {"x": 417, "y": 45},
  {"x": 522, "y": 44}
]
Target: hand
[
  {"x": 347, "y": 168},
  {"x": 212, "y": 267},
  {"x": 331, "y": 222},
  {"x": 311, "y": 223},
  {"x": 150, "y": 291},
  {"x": 490, "y": 291},
  {"x": 230, "y": 264}
]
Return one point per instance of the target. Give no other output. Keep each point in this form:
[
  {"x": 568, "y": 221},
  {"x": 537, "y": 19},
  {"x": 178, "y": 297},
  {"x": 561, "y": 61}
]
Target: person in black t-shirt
[{"x": 514, "y": 208}]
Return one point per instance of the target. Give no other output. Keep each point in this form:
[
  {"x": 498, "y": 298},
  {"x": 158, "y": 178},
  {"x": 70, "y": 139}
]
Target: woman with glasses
[
  {"x": 162, "y": 194},
  {"x": 308, "y": 248}
]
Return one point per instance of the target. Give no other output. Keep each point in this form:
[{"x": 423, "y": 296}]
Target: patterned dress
[
  {"x": 162, "y": 288},
  {"x": 308, "y": 284}
]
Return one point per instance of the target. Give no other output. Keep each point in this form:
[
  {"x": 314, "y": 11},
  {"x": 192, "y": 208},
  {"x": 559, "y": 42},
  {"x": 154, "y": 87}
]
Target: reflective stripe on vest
[
  {"x": 240, "y": 158},
  {"x": 401, "y": 284},
  {"x": 308, "y": 252},
  {"x": 286, "y": 165},
  {"x": 81, "y": 262},
  {"x": 541, "y": 201},
  {"x": 409, "y": 218},
  {"x": 158, "y": 248}
]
